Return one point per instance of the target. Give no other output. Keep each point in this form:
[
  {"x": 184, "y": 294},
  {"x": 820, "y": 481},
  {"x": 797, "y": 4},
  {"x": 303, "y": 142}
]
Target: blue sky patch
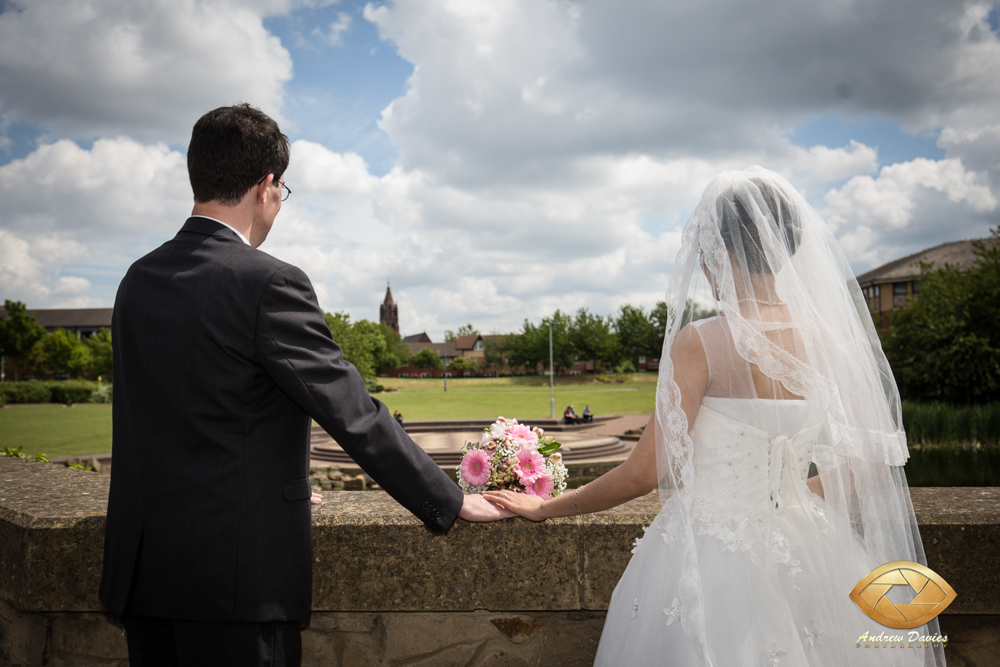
[{"x": 893, "y": 143}]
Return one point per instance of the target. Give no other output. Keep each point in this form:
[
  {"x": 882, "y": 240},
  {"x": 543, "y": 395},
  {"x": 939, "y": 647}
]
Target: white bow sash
[{"x": 782, "y": 462}]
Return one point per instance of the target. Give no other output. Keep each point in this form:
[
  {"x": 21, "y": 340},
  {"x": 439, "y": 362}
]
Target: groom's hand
[{"x": 477, "y": 508}]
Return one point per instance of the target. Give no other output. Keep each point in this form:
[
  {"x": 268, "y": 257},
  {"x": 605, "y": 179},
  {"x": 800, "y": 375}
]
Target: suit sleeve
[{"x": 299, "y": 354}]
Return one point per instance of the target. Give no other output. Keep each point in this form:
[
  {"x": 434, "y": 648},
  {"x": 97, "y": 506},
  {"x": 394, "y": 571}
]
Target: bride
[{"x": 777, "y": 447}]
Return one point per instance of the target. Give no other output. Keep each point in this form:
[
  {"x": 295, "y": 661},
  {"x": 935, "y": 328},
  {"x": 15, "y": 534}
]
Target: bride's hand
[{"x": 523, "y": 504}]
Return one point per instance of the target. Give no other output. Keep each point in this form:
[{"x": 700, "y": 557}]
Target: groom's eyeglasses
[{"x": 285, "y": 189}]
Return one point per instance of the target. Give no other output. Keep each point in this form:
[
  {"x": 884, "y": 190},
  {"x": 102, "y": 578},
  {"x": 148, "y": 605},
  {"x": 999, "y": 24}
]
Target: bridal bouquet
[{"x": 513, "y": 456}]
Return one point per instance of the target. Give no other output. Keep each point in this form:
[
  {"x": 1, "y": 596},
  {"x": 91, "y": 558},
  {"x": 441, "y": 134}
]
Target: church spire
[{"x": 388, "y": 312}]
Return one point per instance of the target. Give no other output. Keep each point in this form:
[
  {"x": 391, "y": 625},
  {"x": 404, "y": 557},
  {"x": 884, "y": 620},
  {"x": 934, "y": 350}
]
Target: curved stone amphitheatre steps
[
  {"x": 444, "y": 425},
  {"x": 443, "y": 441}
]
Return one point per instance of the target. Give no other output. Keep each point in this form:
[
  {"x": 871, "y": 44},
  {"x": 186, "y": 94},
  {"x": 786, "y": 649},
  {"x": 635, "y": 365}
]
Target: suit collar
[{"x": 197, "y": 224}]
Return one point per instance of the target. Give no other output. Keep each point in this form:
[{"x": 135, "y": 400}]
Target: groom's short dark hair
[{"x": 232, "y": 149}]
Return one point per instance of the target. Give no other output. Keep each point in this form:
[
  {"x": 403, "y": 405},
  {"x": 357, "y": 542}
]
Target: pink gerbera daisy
[
  {"x": 541, "y": 487},
  {"x": 530, "y": 465},
  {"x": 523, "y": 436},
  {"x": 476, "y": 467}
]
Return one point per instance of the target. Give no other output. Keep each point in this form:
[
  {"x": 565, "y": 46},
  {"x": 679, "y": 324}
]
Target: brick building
[{"x": 889, "y": 286}]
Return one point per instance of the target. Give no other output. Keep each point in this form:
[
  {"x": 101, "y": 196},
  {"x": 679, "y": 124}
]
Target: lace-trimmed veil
[{"x": 795, "y": 325}]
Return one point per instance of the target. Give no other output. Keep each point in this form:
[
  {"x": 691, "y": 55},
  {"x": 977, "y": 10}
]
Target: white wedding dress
[
  {"x": 744, "y": 566},
  {"x": 776, "y": 580}
]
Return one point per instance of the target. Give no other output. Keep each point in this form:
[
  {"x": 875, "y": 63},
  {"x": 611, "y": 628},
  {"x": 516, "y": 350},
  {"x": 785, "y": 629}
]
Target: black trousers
[{"x": 157, "y": 642}]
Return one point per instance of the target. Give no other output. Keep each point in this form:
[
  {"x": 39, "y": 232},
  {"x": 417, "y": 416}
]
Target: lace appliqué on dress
[
  {"x": 812, "y": 634},
  {"x": 638, "y": 540},
  {"x": 773, "y": 654},
  {"x": 781, "y": 552},
  {"x": 673, "y": 614},
  {"x": 740, "y": 530},
  {"x": 732, "y": 528}
]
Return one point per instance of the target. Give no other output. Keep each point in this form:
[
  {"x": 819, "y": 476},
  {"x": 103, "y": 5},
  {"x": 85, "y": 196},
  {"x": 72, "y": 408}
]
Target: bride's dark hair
[{"x": 739, "y": 231}]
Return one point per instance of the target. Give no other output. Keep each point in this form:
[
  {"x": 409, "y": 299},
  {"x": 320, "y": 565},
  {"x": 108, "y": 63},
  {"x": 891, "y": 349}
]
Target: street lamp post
[
  {"x": 445, "y": 355},
  {"x": 552, "y": 374}
]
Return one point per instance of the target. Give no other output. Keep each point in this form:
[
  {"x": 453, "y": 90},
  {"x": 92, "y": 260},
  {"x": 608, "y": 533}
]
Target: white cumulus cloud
[{"x": 147, "y": 69}]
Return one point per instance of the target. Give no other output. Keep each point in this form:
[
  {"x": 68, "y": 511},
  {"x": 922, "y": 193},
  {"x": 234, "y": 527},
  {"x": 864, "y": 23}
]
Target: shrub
[
  {"x": 373, "y": 386},
  {"x": 32, "y": 391},
  {"x": 74, "y": 392},
  {"x": 102, "y": 393}
]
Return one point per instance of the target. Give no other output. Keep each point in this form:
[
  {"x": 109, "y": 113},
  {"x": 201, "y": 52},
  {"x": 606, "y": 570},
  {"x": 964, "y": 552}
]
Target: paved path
[{"x": 619, "y": 426}]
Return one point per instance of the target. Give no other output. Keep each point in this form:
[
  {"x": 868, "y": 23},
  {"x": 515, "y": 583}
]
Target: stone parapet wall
[{"x": 388, "y": 592}]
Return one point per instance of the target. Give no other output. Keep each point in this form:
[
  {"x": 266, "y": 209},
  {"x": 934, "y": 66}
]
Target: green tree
[
  {"x": 353, "y": 343},
  {"x": 395, "y": 352},
  {"x": 564, "y": 352},
  {"x": 495, "y": 352},
  {"x": 946, "y": 342},
  {"x": 462, "y": 364},
  {"x": 100, "y": 353},
  {"x": 638, "y": 333},
  {"x": 531, "y": 347},
  {"x": 660, "y": 317},
  {"x": 594, "y": 338},
  {"x": 427, "y": 358},
  {"x": 369, "y": 338},
  {"x": 693, "y": 312},
  {"x": 464, "y": 330},
  {"x": 19, "y": 334},
  {"x": 64, "y": 353}
]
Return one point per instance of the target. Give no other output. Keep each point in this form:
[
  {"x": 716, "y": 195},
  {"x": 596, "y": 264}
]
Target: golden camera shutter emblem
[{"x": 933, "y": 594}]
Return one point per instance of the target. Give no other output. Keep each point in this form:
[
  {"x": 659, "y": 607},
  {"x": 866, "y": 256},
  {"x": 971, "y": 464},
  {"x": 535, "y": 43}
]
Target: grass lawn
[
  {"x": 426, "y": 399},
  {"x": 86, "y": 428},
  {"x": 56, "y": 430}
]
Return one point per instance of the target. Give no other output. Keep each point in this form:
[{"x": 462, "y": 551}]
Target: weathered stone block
[
  {"x": 517, "y": 630},
  {"x": 91, "y": 635},
  {"x": 573, "y": 643},
  {"x": 501, "y": 658},
  {"x": 410, "y": 635},
  {"x": 22, "y": 637},
  {"x": 960, "y": 527},
  {"x": 973, "y": 641},
  {"x": 453, "y": 656},
  {"x": 354, "y": 483},
  {"x": 388, "y": 592}
]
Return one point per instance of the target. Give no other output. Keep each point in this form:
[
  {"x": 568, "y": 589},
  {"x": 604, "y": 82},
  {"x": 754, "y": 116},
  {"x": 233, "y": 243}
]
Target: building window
[
  {"x": 873, "y": 294},
  {"x": 478, "y": 345},
  {"x": 916, "y": 287},
  {"x": 642, "y": 358},
  {"x": 898, "y": 295}
]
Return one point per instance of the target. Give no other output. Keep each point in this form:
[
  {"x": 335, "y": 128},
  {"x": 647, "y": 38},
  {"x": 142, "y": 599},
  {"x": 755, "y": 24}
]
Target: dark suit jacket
[{"x": 221, "y": 356}]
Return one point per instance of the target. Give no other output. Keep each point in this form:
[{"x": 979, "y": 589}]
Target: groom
[{"x": 221, "y": 360}]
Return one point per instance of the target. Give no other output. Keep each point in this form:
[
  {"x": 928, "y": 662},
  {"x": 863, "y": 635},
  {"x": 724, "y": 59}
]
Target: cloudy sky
[{"x": 494, "y": 159}]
